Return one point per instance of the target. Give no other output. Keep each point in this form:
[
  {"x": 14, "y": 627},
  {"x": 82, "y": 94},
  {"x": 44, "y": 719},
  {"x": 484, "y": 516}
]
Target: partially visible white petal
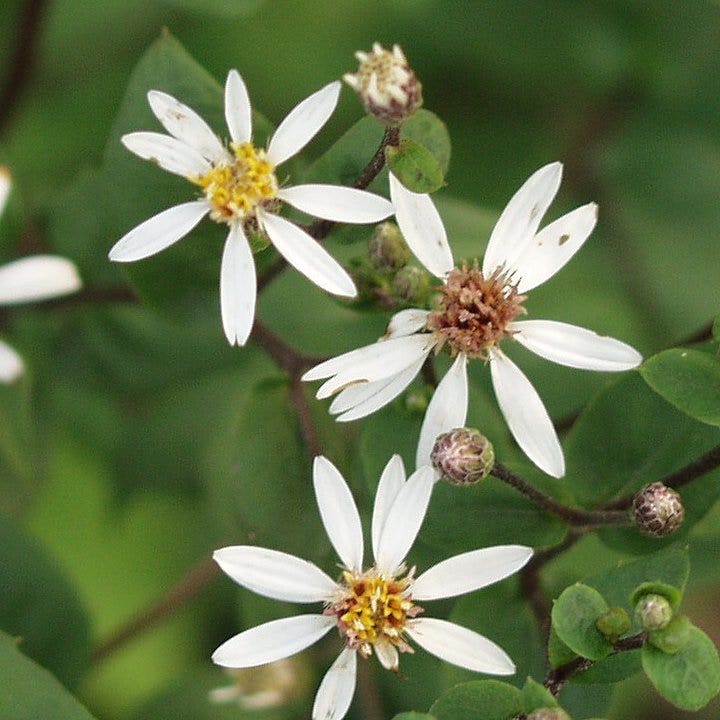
[
  {"x": 574, "y": 346},
  {"x": 386, "y": 359},
  {"x": 521, "y": 218},
  {"x": 367, "y": 398},
  {"x": 272, "y": 641},
  {"x": 460, "y": 646},
  {"x": 406, "y": 322},
  {"x": 422, "y": 228},
  {"x": 38, "y": 277},
  {"x": 339, "y": 513},
  {"x": 470, "y": 571},
  {"x": 238, "y": 114},
  {"x": 237, "y": 287},
  {"x": 167, "y": 152},
  {"x": 403, "y": 521},
  {"x": 387, "y": 655},
  {"x": 275, "y": 574},
  {"x": 159, "y": 232},
  {"x": 391, "y": 482},
  {"x": 185, "y": 124},
  {"x": 447, "y": 409},
  {"x": 303, "y": 123},
  {"x": 11, "y": 364},
  {"x": 5, "y": 185},
  {"x": 553, "y": 247},
  {"x": 340, "y": 204},
  {"x": 526, "y": 415},
  {"x": 307, "y": 256},
  {"x": 337, "y": 688}
]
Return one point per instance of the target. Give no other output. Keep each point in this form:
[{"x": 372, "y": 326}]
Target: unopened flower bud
[
  {"x": 463, "y": 456},
  {"x": 658, "y": 510},
  {"x": 386, "y": 84},
  {"x": 411, "y": 285},
  {"x": 555, "y": 713},
  {"x": 613, "y": 623},
  {"x": 387, "y": 248},
  {"x": 653, "y": 612}
]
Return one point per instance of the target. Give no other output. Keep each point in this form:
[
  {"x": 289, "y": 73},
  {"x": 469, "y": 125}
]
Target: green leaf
[
  {"x": 688, "y": 679},
  {"x": 413, "y": 716},
  {"x": 219, "y": 8},
  {"x": 415, "y": 167},
  {"x": 689, "y": 379},
  {"x": 478, "y": 700},
  {"x": 17, "y": 464},
  {"x": 427, "y": 129},
  {"x": 41, "y": 607},
  {"x": 558, "y": 652},
  {"x": 611, "y": 669},
  {"x": 716, "y": 328},
  {"x": 534, "y": 696},
  {"x": 574, "y": 615},
  {"x": 30, "y": 692}
]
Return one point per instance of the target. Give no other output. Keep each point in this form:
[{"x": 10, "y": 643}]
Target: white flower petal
[
  {"x": 275, "y": 574},
  {"x": 379, "y": 361},
  {"x": 520, "y": 219},
  {"x": 186, "y": 125},
  {"x": 272, "y": 641},
  {"x": 403, "y": 521},
  {"x": 406, "y": 322},
  {"x": 38, "y": 277},
  {"x": 11, "y": 364},
  {"x": 553, "y": 246},
  {"x": 303, "y": 123},
  {"x": 237, "y": 287},
  {"x": 447, "y": 409},
  {"x": 470, "y": 571},
  {"x": 339, "y": 513},
  {"x": 575, "y": 347},
  {"x": 308, "y": 256},
  {"x": 460, "y": 646},
  {"x": 340, "y": 204},
  {"x": 159, "y": 232},
  {"x": 387, "y": 655},
  {"x": 238, "y": 114},
  {"x": 526, "y": 415},
  {"x": 422, "y": 228},
  {"x": 5, "y": 185},
  {"x": 167, "y": 152},
  {"x": 391, "y": 482},
  {"x": 337, "y": 688}
]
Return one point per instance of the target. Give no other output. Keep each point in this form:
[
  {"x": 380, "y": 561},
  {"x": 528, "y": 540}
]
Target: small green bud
[
  {"x": 411, "y": 285},
  {"x": 653, "y": 612},
  {"x": 613, "y": 623},
  {"x": 463, "y": 456},
  {"x": 658, "y": 510},
  {"x": 387, "y": 248},
  {"x": 673, "y": 637},
  {"x": 554, "y": 713}
]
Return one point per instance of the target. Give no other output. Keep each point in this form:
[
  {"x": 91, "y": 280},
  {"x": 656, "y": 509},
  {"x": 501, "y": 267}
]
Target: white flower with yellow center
[
  {"x": 477, "y": 312},
  {"x": 240, "y": 188},
  {"x": 30, "y": 279},
  {"x": 374, "y": 610}
]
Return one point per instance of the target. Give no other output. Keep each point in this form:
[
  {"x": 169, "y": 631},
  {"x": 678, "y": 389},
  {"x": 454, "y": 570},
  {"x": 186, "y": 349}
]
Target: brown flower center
[{"x": 475, "y": 311}]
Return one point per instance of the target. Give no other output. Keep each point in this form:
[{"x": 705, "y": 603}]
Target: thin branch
[
  {"x": 302, "y": 410},
  {"x": 284, "y": 355}
]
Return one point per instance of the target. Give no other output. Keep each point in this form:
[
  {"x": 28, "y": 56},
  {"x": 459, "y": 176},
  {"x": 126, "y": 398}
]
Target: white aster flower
[
  {"x": 375, "y": 610},
  {"x": 241, "y": 189},
  {"x": 478, "y": 311},
  {"x": 30, "y": 279}
]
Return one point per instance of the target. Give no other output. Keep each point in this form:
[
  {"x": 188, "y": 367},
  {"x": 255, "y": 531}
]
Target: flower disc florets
[
  {"x": 235, "y": 189},
  {"x": 372, "y": 609},
  {"x": 476, "y": 311}
]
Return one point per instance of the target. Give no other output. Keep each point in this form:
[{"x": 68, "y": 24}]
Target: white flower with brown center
[
  {"x": 30, "y": 279},
  {"x": 375, "y": 610},
  {"x": 478, "y": 312},
  {"x": 240, "y": 188}
]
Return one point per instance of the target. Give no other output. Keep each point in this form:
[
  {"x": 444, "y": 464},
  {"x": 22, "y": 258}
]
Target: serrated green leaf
[
  {"x": 574, "y": 615},
  {"x": 414, "y": 166},
  {"x": 534, "y": 695},
  {"x": 688, "y": 679},
  {"x": 31, "y": 692},
  {"x": 689, "y": 379},
  {"x": 478, "y": 700}
]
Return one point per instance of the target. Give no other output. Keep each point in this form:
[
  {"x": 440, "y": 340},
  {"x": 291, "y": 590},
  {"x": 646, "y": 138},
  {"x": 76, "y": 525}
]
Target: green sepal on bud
[
  {"x": 658, "y": 510},
  {"x": 387, "y": 249},
  {"x": 672, "y": 594},
  {"x": 653, "y": 611},
  {"x": 674, "y": 636},
  {"x": 614, "y": 623},
  {"x": 550, "y": 713},
  {"x": 463, "y": 456}
]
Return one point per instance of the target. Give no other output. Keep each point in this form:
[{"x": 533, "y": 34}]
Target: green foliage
[
  {"x": 415, "y": 166},
  {"x": 534, "y": 696},
  {"x": 413, "y": 716},
  {"x": 478, "y": 700},
  {"x": 574, "y": 617}
]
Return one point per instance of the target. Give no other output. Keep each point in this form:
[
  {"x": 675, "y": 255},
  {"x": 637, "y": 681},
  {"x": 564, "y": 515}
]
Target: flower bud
[
  {"x": 653, "y": 612},
  {"x": 386, "y": 84},
  {"x": 387, "y": 248},
  {"x": 463, "y": 456},
  {"x": 411, "y": 285},
  {"x": 554, "y": 713},
  {"x": 613, "y": 623},
  {"x": 658, "y": 510}
]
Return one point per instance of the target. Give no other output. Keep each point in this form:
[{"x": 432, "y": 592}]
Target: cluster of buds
[
  {"x": 658, "y": 510},
  {"x": 463, "y": 456}
]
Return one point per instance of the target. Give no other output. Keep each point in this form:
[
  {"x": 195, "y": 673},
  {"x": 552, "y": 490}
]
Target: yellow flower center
[
  {"x": 235, "y": 189},
  {"x": 372, "y": 609}
]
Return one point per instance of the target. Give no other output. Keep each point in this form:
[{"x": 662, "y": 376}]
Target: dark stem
[
  {"x": 302, "y": 410},
  {"x": 284, "y": 355}
]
